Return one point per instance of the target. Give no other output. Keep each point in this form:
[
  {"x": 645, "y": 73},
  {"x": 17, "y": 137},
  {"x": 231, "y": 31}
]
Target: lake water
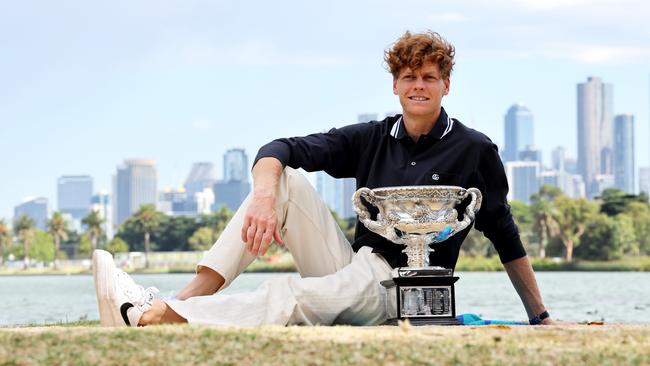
[{"x": 617, "y": 297}]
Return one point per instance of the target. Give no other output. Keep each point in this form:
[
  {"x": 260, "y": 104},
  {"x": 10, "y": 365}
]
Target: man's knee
[{"x": 296, "y": 183}]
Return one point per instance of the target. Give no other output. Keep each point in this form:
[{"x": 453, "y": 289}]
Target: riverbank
[
  {"x": 341, "y": 345},
  {"x": 465, "y": 264}
]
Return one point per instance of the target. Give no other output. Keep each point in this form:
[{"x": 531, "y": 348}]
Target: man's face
[{"x": 420, "y": 91}]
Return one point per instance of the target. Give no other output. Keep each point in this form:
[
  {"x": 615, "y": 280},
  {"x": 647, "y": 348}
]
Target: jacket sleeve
[
  {"x": 494, "y": 218},
  {"x": 337, "y": 152}
]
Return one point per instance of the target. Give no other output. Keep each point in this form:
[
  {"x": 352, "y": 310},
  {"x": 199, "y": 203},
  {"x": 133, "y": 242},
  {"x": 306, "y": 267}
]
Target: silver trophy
[{"x": 418, "y": 216}]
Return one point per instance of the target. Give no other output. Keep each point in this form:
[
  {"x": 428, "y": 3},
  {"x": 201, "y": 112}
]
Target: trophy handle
[
  {"x": 470, "y": 210},
  {"x": 364, "y": 215}
]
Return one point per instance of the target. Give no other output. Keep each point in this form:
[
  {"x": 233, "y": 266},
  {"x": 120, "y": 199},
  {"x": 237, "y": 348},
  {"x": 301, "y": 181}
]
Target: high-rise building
[
  {"x": 330, "y": 191},
  {"x": 336, "y": 193},
  {"x": 519, "y": 131},
  {"x": 101, "y": 203},
  {"x": 233, "y": 189},
  {"x": 530, "y": 153},
  {"x": 601, "y": 182},
  {"x": 134, "y": 185},
  {"x": 624, "y": 152},
  {"x": 366, "y": 117},
  {"x": 349, "y": 187},
  {"x": 235, "y": 165},
  {"x": 595, "y": 131},
  {"x": 559, "y": 159},
  {"x": 523, "y": 179},
  {"x": 578, "y": 188},
  {"x": 34, "y": 208},
  {"x": 571, "y": 166},
  {"x": 74, "y": 193},
  {"x": 644, "y": 180},
  {"x": 201, "y": 176},
  {"x": 230, "y": 194}
]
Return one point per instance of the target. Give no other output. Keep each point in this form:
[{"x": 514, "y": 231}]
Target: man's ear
[
  {"x": 447, "y": 85},
  {"x": 394, "y": 86}
]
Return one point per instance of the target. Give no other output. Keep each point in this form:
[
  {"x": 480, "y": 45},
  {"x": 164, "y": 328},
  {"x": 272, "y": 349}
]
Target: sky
[{"x": 87, "y": 84}]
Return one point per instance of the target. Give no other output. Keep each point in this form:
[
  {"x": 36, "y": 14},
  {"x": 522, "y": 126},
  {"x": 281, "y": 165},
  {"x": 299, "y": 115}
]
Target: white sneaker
[{"x": 121, "y": 301}]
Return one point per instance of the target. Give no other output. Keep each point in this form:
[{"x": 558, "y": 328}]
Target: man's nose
[{"x": 419, "y": 83}]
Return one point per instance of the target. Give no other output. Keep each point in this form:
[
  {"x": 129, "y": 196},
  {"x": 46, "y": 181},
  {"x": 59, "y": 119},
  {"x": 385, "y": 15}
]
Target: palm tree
[
  {"x": 544, "y": 212},
  {"x": 146, "y": 220},
  {"x": 24, "y": 229},
  {"x": 4, "y": 233},
  {"x": 93, "y": 222},
  {"x": 58, "y": 228}
]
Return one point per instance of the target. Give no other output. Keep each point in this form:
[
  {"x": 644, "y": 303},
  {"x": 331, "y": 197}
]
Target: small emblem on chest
[{"x": 435, "y": 176}]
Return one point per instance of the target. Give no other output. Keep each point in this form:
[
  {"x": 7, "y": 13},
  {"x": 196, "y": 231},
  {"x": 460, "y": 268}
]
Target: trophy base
[{"x": 423, "y": 321}]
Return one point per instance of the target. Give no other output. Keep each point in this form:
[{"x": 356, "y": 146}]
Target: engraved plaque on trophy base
[{"x": 425, "y": 300}]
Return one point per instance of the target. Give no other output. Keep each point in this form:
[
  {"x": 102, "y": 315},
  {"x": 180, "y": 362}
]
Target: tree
[
  {"x": 24, "y": 229},
  {"x": 57, "y": 227},
  {"x": 640, "y": 215},
  {"x": 147, "y": 219},
  {"x": 172, "y": 234},
  {"x": 42, "y": 247},
  {"x": 217, "y": 220},
  {"x": 523, "y": 216},
  {"x": 597, "y": 242},
  {"x": 85, "y": 245},
  {"x": 624, "y": 236},
  {"x": 615, "y": 201},
  {"x": 572, "y": 216},
  {"x": 202, "y": 239},
  {"x": 608, "y": 238},
  {"x": 117, "y": 245},
  {"x": 476, "y": 244},
  {"x": 4, "y": 236},
  {"x": 544, "y": 224},
  {"x": 93, "y": 222}
]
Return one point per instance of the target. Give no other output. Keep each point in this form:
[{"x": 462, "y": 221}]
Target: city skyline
[{"x": 155, "y": 84}]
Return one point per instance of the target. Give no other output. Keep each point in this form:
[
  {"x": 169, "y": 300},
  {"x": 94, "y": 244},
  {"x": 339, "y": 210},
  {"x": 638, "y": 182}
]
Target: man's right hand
[
  {"x": 260, "y": 225},
  {"x": 261, "y": 221}
]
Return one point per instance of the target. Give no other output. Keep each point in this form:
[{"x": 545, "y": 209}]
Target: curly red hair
[{"x": 413, "y": 50}]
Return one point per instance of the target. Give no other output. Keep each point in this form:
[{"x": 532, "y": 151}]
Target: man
[{"x": 340, "y": 283}]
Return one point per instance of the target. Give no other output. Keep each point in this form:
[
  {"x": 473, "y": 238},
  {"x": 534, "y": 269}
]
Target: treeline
[
  {"x": 146, "y": 230},
  {"x": 613, "y": 226}
]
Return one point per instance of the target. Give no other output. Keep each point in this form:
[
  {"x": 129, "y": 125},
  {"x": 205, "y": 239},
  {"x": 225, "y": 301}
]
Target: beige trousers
[{"x": 337, "y": 286}]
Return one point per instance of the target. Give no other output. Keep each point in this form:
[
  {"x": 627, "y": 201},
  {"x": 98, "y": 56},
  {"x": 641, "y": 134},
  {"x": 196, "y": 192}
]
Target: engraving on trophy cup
[{"x": 418, "y": 216}]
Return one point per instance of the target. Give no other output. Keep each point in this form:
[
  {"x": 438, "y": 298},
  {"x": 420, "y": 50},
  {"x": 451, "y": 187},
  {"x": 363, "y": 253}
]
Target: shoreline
[{"x": 465, "y": 264}]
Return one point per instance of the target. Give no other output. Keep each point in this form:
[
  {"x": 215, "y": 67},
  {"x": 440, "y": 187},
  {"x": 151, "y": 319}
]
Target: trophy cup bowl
[{"x": 417, "y": 216}]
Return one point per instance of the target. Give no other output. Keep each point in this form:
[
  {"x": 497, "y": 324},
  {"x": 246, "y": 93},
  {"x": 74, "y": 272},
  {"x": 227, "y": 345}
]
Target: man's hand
[
  {"x": 261, "y": 221},
  {"x": 260, "y": 225}
]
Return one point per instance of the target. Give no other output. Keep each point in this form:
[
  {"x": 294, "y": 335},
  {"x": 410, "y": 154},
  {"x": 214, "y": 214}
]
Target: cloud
[
  {"x": 248, "y": 52},
  {"x": 202, "y": 124},
  {"x": 597, "y": 54},
  {"x": 582, "y": 53},
  {"x": 448, "y": 17},
  {"x": 544, "y": 5}
]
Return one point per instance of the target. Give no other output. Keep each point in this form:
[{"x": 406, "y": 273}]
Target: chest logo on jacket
[{"x": 435, "y": 177}]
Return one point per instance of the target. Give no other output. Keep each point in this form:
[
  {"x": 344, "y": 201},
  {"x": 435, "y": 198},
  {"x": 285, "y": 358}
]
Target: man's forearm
[
  {"x": 266, "y": 177},
  {"x": 523, "y": 279}
]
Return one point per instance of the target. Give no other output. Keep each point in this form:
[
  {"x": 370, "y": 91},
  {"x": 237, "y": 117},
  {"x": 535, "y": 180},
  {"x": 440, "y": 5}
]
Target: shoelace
[{"x": 141, "y": 297}]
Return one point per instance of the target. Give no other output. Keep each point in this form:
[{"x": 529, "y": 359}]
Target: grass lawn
[{"x": 341, "y": 345}]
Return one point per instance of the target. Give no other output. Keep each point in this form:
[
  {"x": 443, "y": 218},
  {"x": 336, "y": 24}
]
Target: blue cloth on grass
[{"x": 473, "y": 319}]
